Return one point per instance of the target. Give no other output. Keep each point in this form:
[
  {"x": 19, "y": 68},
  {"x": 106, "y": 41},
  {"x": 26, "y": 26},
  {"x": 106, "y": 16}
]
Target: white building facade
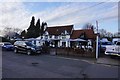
[{"x": 58, "y": 36}]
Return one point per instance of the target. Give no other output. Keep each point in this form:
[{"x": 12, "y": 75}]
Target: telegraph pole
[{"x": 97, "y": 40}]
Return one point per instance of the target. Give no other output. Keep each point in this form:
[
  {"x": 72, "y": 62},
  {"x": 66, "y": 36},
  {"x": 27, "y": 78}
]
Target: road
[{"x": 47, "y": 66}]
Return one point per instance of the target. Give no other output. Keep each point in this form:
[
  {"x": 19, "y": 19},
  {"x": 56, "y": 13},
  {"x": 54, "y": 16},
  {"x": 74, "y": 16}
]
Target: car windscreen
[
  {"x": 29, "y": 44},
  {"x": 107, "y": 43},
  {"x": 7, "y": 44},
  {"x": 118, "y": 43}
]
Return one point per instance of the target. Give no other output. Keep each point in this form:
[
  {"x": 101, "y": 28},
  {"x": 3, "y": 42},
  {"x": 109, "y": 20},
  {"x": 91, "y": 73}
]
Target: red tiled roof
[
  {"x": 88, "y": 32},
  {"x": 57, "y": 30}
]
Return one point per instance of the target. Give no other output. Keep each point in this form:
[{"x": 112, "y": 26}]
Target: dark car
[
  {"x": 26, "y": 47},
  {"x": 6, "y": 46}
]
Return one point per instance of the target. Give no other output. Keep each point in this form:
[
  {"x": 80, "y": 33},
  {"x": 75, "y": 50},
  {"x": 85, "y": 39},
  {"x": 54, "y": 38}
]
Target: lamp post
[{"x": 97, "y": 40}]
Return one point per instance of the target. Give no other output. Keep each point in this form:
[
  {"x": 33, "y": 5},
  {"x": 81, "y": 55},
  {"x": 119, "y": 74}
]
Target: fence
[{"x": 73, "y": 52}]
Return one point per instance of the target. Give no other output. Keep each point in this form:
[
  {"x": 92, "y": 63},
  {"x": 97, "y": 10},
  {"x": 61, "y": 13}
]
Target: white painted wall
[{"x": 59, "y": 37}]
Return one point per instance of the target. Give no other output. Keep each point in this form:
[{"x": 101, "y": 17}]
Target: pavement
[{"x": 108, "y": 61}]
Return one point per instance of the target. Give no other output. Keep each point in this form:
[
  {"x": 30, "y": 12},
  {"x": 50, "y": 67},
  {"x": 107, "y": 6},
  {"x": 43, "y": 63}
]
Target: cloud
[
  {"x": 78, "y": 13},
  {"x": 70, "y": 13},
  {"x": 15, "y": 14},
  {"x": 58, "y": 12},
  {"x": 59, "y": 0}
]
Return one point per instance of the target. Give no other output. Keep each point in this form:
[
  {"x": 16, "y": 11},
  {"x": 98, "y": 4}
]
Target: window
[
  {"x": 46, "y": 33},
  {"x": 63, "y": 44},
  {"x": 56, "y": 37},
  {"x": 118, "y": 43},
  {"x": 66, "y": 32},
  {"x": 106, "y": 43},
  {"x": 50, "y": 36},
  {"x": 82, "y": 35},
  {"x": 46, "y": 37},
  {"x": 29, "y": 44},
  {"x": 62, "y": 33},
  {"x": 7, "y": 44},
  {"x": 63, "y": 37}
]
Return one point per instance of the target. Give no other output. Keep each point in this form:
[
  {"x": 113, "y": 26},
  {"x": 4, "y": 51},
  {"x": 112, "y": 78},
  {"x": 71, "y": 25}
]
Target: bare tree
[
  {"x": 10, "y": 32},
  {"x": 109, "y": 34},
  {"x": 117, "y": 34},
  {"x": 88, "y": 26},
  {"x": 17, "y": 30},
  {"x": 102, "y": 32}
]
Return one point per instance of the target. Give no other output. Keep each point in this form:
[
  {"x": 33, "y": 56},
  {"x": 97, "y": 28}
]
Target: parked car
[
  {"x": 26, "y": 47},
  {"x": 6, "y": 46},
  {"x": 114, "y": 40},
  {"x": 103, "y": 45},
  {"x": 113, "y": 50}
]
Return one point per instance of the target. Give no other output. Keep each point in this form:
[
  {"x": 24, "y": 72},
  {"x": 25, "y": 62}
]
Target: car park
[
  {"x": 6, "y": 46},
  {"x": 26, "y": 47}
]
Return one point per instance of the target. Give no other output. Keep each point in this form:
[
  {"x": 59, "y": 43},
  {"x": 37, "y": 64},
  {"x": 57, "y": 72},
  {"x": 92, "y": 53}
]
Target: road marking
[
  {"x": 67, "y": 58},
  {"x": 76, "y": 59},
  {"x": 91, "y": 62},
  {"x": 107, "y": 65},
  {"x": 88, "y": 61}
]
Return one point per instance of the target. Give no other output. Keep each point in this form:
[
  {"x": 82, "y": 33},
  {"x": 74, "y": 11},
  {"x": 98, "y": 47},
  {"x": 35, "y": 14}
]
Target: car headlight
[{"x": 4, "y": 46}]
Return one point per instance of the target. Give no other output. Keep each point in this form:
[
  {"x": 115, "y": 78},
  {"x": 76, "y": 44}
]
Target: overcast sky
[{"x": 18, "y": 14}]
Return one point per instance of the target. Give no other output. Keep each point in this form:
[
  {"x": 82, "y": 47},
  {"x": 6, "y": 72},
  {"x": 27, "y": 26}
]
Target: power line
[{"x": 92, "y": 6}]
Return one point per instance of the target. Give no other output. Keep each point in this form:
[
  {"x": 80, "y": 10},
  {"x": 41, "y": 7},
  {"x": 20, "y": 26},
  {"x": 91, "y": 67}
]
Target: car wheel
[
  {"x": 28, "y": 52},
  {"x": 15, "y": 50}
]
